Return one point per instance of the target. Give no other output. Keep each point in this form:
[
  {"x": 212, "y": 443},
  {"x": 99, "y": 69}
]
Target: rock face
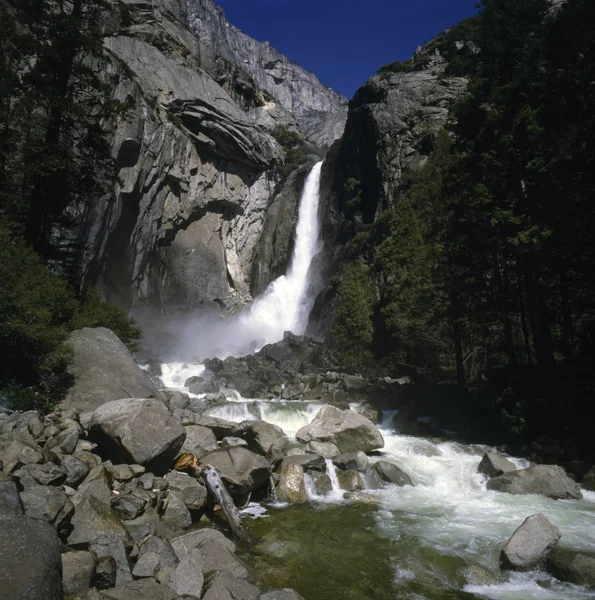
[
  {"x": 30, "y": 564},
  {"x": 530, "y": 544},
  {"x": 573, "y": 567},
  {"x": 138, "y": 431},
  {"x": 347, "y": 430},
  {"x": 198, "y": 164},
  {"x": 104, "y": 371},
  {"x": 548, "y": 480}
]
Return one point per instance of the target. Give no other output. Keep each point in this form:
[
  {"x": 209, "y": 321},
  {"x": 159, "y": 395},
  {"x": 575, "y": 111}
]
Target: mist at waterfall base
[{"x": 284, "y": 306}]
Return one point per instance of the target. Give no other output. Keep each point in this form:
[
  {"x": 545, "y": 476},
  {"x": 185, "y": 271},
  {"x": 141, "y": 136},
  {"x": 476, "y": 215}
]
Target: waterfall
[{"x": 286, "y": 303}]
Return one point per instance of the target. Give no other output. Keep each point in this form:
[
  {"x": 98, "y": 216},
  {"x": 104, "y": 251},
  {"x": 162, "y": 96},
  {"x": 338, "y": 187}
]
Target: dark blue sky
[{"x": 345, "y": 41}]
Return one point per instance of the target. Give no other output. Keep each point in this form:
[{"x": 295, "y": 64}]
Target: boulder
[
  {"x": 104, "y": 370},
  {"x": 218, "y": 557},
  {"x": 143, "y": 589},
  {"x": 571, "y": 566},
  {"x": 106, "y": 571},
  {"x": 351, "y": 460},
  {"x": 138, "y": 431},
  {"x": 261, "y": 436},
  {"x": 493, "y": 465},
  {"x": 162, "y": 550},
  {"x": 324, "y": 449},
  {"x": 530, "y": 544},
  {"x": 351, "y": 480},
  {"x": 286, "y": 594},
  {"x": 176, "y": 516},
  {"x": 48, "y": 503},
  {"x": 390, "y": 473},
  {"x": 30, "y": 562},
  {"x": 188, "y": 579},
  {"x": 182, "y": 544},
  {"x": 199, "y": 437},
  {"x": 224, "y": 586},
  {"x": 192, "y": 492},
  {"x": 240, "y": 469},
  {"x": 291, "y": 486},
  {"x": 344, "y": 428},
  {"x": 78, "y": 571},
  {"x": 10, "y": 501},
  {"x": 322, "y": 483},
  {"x": 111, "y": 544},
  {"x": 548, "y": 480},
  {"x": 588, "y": 481},
  {"x": 477, "y": 575}
]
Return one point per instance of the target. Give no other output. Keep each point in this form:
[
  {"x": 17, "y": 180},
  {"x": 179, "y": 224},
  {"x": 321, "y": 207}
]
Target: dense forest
[
  {"x": 482, "y": 274},
  {"x": 55, "y": 110}
]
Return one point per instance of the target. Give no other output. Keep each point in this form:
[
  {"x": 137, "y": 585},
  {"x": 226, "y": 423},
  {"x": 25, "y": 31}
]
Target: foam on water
[{"x": 174, "y": 375}]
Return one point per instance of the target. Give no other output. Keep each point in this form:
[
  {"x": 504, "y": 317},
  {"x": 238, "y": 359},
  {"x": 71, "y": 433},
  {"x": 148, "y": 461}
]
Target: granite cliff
[{"x": 198, "y": 161}]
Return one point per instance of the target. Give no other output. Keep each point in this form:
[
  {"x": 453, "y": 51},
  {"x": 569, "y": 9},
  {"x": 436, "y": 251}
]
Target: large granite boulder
[
  {"x": 547, "y": 480},
  {"x": 572, "y": 566},
  {"x": 493, "y": 464},
  {"x": 104, "y": 370},
  {"x": 344, "y": 428},
  {"x": 291, "y": 486},
  {"x": 240, "y": 469},
  {"x": 138, "y": 431},
  {"x": 261, "y": 436},
  {"x": 30, "y": 562},
  {"x": 390, "y": 473},
  {"x": 530, "y": 544}
]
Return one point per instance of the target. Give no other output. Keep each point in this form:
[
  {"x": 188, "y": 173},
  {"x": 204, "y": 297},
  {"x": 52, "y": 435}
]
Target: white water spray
[{"x": 286, "y": 304}]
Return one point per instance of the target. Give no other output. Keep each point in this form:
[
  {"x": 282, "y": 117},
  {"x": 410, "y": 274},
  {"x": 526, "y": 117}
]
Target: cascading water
[{"x": 286, "y": 304}]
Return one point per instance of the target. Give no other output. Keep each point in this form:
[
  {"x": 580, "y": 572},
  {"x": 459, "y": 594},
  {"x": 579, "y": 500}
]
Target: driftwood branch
[{"x": 216, "y": 488}]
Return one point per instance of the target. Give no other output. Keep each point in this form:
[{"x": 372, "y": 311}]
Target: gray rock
[
  {"x": 346, "y": 429},
  {"x": 588, "y": 481},
  {"x": 201, "y": 437},
  {"x": 324, "y": 449},
  {"x": 76, "y": 470},
  {"x": 128, "y": 507},
  {"x": 93, "y": 519},
  {"x": 10, "y": 501},
  {"x": 65, "y": 441},
  {"x": 46, "y": 474},
  {"x": 218, "y": 557},
  {"x": 390, "y": 473},
  {"x": 261, "y": 436},
  {"x": 351, "y": 460},
  {"x": 31, "y": 566},
  {"x": 161, "y": 548},
  {"x": 192, "y": 492},
  {"x": 493, "y": 465},
  {"x": 104, "y": 371},
  {"x": 309, "y": 462},
  {"x": 111, "y": 544},
  {"x": 140, "y": 431},
  {"x": 176, "y": 516},
  {"x": 143, "y": 589},
  {"x": 286, "y": 594},
  {"x": 48, "y": 503},
  {"x": 223, "y": 586},
  {"x": 233, "y": 442},
  {"x": 197, "y": 539},
  {"x": 322, "y": 483},
  {"x": 147, "y": 565},
  {"x": 122, "y": 472},
  {"x": 240, "y": 469},
  {"x": 291, "y": 486},
  {"x": 477, "y": 575},
  {"x": 188, "y": 579},
  {"x": 571, "y": 566},
  {"x": 351, "y": 480},
  {"x": 106, "y": 571},
  {"x": 78, "y": 571},
  {"x": 17, "y": 454},
  {"x": 548, "y": 480},
  {"x": 530, "y": 544}
]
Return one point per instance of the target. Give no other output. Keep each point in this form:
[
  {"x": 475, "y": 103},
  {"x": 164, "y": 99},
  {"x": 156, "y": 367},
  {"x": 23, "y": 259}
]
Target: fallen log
[{"x": 216, "y": 488}]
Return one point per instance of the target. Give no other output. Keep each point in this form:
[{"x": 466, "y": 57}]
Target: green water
[{"x": 336, "y": 553}]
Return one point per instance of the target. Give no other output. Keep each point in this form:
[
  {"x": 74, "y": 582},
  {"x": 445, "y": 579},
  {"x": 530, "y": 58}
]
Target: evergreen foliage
[{"x": 296, "y": 150}]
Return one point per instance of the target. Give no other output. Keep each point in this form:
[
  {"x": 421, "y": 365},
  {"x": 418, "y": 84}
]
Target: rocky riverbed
[{"x": 338, "y": 505}]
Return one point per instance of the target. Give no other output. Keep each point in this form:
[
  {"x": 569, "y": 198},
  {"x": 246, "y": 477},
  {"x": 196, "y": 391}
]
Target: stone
[
  {"x": 346, "y": 429},
  {"x": 78, "y": 571},
  {"x": 111, "y": 544},
  {"x": 588, "y": 481},
  {"x": 217, "y": 556},
  {"x": 188, "y": 579},
  {"x": 351, "y": 480},
  {"x": 240, "y": 469},
  {"x": 530, "y": 544},
  {"x": 291, "y": 486},
  {"x": 48, "y": 503},
  {"x": 571, "y": 566},
  {"x": 46, "y": 474},
  {"x": 309, "y": 462},
  {"x": 182, "y": 544},
  {"x": 17, "y": 454},
  {"x": 122, "y": 472},
  {"x": 477, "y": 575},
  {"x": 128, "y": 507},
  {"x": 493, "y": 464},
  {"x": 351, "y": 460},
  {"x": 76, "y": 470},
  {"x": 322, "y": 483},
  {"x": 138, "y": 431},
  {"x": 93, "y": 519},
  {"x": 143, "y": 589},
  {"x": 161, "y": 548},
  {"x": 106, "y": 571},
  {"x": 104, "y": 370},
  {"x": 223, "y": 586},
  {"x": 10, "y": 501},
  {"x": 261, "y": 436},
  {"x": 176, "y": 516},
  {"x": 192, "y": 492},
  {"x": 360, "y": 498},
  {"x": 390, "y": 473},
  {"x": 286, "y": 594},
  {"x": 548, "y": 480},
  {"x": 65, "y": 441},
  {"x": 233, "y": 442},
  {"x": 30, "y": 562},
  {"x": 201, "y": 437},
  {"x": 148, "y": 565},
  {"x": 324, "y": 449}
]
